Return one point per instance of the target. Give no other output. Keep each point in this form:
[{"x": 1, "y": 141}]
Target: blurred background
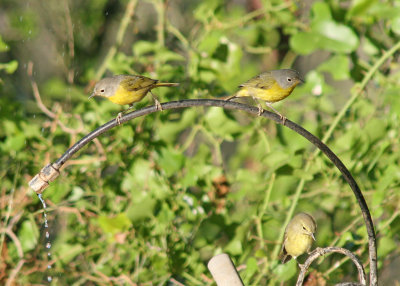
[{"x": 151, "y": 201}]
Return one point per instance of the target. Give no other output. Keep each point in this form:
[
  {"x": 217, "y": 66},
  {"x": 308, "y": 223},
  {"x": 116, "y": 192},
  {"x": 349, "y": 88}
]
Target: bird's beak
[
  {"x": 92, "y": 95},
  {"x": 312, "y": 235}
]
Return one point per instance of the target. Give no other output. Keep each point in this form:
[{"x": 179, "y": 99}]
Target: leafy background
[{"x": 150, "y": 202}]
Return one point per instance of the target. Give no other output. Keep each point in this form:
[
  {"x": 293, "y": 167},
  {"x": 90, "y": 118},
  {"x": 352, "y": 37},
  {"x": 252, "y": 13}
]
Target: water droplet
[
  {"x": 47, "y": 234},
  {"x": 107, "y": 13}
]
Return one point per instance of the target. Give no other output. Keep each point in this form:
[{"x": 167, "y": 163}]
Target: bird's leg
[
  {"x": 119, "y": 116},
  {"x": 156, "y": 102},
  {"x": 260, "y": 108},
  {"x": 283, "y": 118},
  {"x": 319, "y": 250}
]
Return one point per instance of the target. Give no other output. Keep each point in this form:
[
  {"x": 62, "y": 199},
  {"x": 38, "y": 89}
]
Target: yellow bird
[
  {"x": 299, "y": 236},
  {"x": 270, "y": 86},
  {"x": 128, "y": 89}
]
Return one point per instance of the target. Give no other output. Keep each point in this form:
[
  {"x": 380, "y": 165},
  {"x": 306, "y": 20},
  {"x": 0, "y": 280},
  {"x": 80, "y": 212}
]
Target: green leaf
[
  {"x": 210, "y": 42},
  {"x": 206, "y": 10},
  {"x": 13, "y": 143},
  {"x": 115, "y": 224},
  {"x": 385, "y": 246},
  {"x": 396, "y": 25},
  {"x": 359, "y": 8},
  {"x": 338, "y": 66},
  {"x": 3, "y": 46},
  {"x": 141, "y": 210},
  {"x": 143, "y": 47},
  {"x": 325, "y": 34},
  {"x": 369, "y": 47},
  {"x": 375, "y": 129},
  {"x": 304, "y": 43},
  {"x": 234, "y": 247},
  {"x": 336, "y": 37},
  {"x": 251, "y": 267},
  {"x": 286, "y": 271},
  {"x": 171, "y": 161},
  {"x": 221, "y": 124},
  {"x": 67, "y": 252},
  {"x": 28, "y": 235},
  {"x": 320, "y": 12},
  {"x": 9, "y": 67}
]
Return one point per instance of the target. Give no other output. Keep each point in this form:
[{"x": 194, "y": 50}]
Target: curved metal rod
[
  {"x": 318, "y": 252},
  {"x": 252, "y": 110}
]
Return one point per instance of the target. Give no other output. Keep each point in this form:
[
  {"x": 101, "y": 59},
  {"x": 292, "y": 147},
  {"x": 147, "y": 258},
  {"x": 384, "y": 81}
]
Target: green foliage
[{"x": 152, "y": 200}]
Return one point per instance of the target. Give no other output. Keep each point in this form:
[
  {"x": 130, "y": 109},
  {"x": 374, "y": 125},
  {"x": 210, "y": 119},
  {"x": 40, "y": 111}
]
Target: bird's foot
[
  {"x": 260, "y": 110},
  {"x": 320, "y": 251},
  {"x": 118, "y": 118},
  {"x": 156, "y": 102},
  {"x": 283, "y": 118},
  {"x": 158, "y": 105}
]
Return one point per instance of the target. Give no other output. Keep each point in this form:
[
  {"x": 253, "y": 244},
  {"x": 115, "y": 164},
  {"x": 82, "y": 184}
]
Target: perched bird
[
  {"x": 127, "y": 89},
  {"x": 270, "y": 86},
  {"x": 299, "y": 236}
]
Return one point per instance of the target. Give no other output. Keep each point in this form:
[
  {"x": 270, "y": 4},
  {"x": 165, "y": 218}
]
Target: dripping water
[{"x": 47, "y": 234}]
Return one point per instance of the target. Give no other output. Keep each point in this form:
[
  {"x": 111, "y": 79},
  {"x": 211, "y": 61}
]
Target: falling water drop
[{"x": 47, "y": 234}]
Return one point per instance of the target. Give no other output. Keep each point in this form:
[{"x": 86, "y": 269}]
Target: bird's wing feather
[
  {"x": 134, "y": 83},
  {"x": 264, "y": 81}
]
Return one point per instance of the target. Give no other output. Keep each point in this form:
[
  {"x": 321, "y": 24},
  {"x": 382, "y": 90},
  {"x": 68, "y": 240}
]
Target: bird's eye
[
  {"x": 102, "y": 90},
  {"x": 304, "y": 228},
  {"x": 289, "y": 79}
]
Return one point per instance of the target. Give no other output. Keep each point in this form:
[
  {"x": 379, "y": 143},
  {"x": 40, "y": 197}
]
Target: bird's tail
[
  {"x": 158, "y": 84},
  {"x": 284, "y": 258}
]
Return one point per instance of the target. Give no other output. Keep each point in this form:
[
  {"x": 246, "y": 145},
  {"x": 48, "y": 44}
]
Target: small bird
[
  {"x": 270, "y": 86},
  {"x": 127, "y": 89},
  {"x": 299, "y": 236}
]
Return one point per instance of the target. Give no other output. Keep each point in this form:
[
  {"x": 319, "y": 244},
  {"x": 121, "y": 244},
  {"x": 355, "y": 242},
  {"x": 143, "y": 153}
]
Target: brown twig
[
  {"x": 14, "y": 272},
  {"x": 46, "y": 111},
  {"x": 322, "y": 251},
  {"x": 71, "y": 48}
]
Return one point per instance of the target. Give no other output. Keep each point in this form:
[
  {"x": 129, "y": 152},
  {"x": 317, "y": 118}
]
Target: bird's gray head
[
  {"x": 106, "y": 87},
  {"x": 287, "y": 78},
  {"x": 306, "y": 224}
]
